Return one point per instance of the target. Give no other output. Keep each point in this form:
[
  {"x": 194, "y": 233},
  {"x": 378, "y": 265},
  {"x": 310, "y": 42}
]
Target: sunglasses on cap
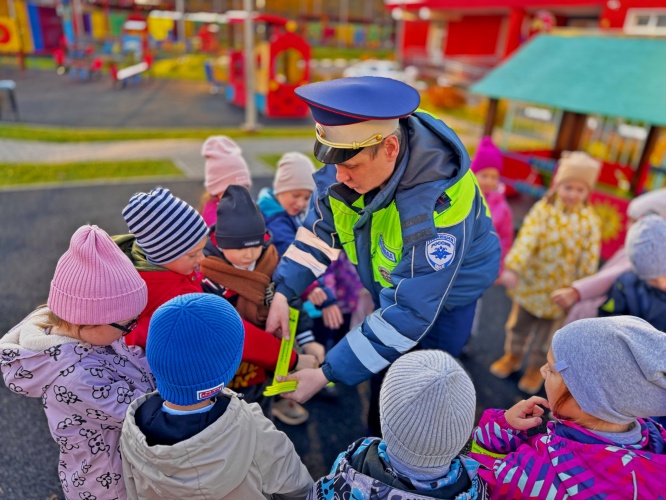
[{"x": 128, "y": 327}]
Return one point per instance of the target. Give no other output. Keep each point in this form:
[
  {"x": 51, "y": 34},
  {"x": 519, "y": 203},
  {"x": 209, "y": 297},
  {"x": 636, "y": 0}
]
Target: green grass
[
  {"x": 271, "y": 159},
  {"x": 189, "y": 67},
  {"x": 350, "y": 53},
  {"x": 12, "y": 174},
  {"x": 65, "y": 134}
]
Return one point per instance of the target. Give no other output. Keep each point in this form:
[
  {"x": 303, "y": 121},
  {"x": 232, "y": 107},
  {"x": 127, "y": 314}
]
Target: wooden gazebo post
[
  {"x": 648, "y": 148},
  {"x": 569, "y": 133},
  {"x": 491, "y": 117}
]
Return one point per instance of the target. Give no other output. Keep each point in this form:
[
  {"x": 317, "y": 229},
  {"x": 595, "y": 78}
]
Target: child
[
  {"x": 642, "y": 291},
  {"x": 604, "y": 377},
  {"x": 239, "y": 266},
  {"x": 558, "y": 243},
  {"x": 283, "y": 208},
  {"x": 70, "y": 353},
  {"x": 427, "y": 405},
  {"x": 166, "y": 247},
  {"x": 584, "y": 296},
  {"x": 225, "y": 165},
  {"x": 487, "y": 166},
  {"x": 195, "y": 438}
]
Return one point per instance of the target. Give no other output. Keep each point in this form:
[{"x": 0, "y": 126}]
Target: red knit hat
[
  {"x": 95, "y": 283},
  {"x": 487, "y": 156}
]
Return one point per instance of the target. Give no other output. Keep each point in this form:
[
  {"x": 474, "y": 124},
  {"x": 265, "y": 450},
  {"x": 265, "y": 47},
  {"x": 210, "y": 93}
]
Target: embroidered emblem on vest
[
  {"x": 441, "y": 251},
  {"x": 385, "y": 251}
]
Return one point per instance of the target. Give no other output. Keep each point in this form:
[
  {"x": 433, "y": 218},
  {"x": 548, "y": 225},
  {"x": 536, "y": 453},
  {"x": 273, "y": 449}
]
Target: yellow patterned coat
[{"x": 554, "y": 247}]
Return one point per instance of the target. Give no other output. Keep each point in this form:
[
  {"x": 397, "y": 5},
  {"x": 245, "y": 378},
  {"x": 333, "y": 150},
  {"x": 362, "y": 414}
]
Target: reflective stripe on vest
[{"x": 386, "y": 231}]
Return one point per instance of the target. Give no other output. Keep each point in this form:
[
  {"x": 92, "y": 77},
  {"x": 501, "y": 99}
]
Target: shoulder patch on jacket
[{"x": 440, "y": 251}]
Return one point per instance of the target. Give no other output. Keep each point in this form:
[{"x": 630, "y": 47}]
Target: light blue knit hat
[
  {"x": 195, "y": 343},
  {"x": 165, "y": 226}
]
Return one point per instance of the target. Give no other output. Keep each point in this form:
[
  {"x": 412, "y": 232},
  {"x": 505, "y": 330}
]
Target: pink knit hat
[
  {"x": 487, "y": 156},
  {"x": 294, "y": 171},
  {"x": 225, "y": 165},
  {"x": 95, "y": 283}
]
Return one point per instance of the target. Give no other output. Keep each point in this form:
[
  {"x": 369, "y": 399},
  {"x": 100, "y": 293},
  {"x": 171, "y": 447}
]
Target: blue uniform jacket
[{"x": 433, "y": 160}]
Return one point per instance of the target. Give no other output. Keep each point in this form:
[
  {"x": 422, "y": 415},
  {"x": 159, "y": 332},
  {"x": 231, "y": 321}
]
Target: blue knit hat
[
  {"x": 165, "y": 227},
  {"x": 195, "y": 343}
]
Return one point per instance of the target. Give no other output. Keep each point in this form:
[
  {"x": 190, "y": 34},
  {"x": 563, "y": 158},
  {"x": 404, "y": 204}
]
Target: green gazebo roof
[{"x": 611, "y": 76}]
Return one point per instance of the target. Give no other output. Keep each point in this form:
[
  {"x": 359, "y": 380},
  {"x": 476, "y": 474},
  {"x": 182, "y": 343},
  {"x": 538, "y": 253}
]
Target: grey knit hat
[
  {"x": 426, "y": 406},
  {"x": 615, "y": 368},
  {"x": 646, "y": 247}
]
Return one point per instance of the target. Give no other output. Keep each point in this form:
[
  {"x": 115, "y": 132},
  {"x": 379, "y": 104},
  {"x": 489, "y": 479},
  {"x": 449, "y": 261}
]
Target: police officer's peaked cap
[{"x": 356, "y": 112}]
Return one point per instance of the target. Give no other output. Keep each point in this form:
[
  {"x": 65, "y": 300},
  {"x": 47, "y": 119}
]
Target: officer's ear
[{"x": 392, "y": 147}]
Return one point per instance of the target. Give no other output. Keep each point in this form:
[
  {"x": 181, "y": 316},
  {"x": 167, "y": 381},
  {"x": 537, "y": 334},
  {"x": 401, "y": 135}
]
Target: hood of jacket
[
  {"x": 216, "y": 460},
  {"x": 129, "y": 246},
  {"x": 268, "y": 204},
  {"x": 363, "y": 471},
  {"x": 41, "y": 358}
]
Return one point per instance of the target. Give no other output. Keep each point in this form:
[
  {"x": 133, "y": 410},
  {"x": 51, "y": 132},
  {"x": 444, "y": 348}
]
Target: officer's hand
[
  {"x": 277, "y": 322},
  {"x": 317, "y": 350},
  {"x": 317, "y": 296},
  {"x": 332, "y": 317},
  {"x": 565, "y": 297},
  {"x": 310, "y": 382}
]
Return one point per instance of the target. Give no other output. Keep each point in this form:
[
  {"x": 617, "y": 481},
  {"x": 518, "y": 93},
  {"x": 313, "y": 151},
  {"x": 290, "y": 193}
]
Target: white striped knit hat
[
  {"x": 95, "y": 283},
  {"x": 165, "y": 226},
  {"x": 426, "y": 410}
]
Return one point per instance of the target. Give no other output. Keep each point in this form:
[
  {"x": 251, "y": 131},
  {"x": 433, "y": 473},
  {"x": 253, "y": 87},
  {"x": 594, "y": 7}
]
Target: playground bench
[
  {"x": 130, "y": 73},
  {"x": 8, "y": 87}
]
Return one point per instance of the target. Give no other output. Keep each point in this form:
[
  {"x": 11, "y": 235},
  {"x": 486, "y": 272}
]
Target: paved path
[
  {"x": 48, "y": 99},
  {"x": 185, "y": 153}
]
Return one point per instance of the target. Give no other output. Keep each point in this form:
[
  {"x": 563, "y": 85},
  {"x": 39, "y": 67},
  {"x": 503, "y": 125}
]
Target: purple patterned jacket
[
  {"x": 569, "y": 461},
  {"x": 85, "y": 391}
]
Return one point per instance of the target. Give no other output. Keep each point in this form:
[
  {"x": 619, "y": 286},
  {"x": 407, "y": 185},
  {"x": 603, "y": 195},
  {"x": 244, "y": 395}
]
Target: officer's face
[{"x": 363, "y": 173}]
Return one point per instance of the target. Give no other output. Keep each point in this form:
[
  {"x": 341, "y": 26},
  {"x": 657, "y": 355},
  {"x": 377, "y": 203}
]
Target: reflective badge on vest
[
  {"x": 385, "y": 251},
  {"x": 385, "y": 273},
  {"x": 441, "y": 251}
]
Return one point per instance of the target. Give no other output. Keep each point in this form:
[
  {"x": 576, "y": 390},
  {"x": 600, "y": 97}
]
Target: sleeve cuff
[
  {"x": 328, "y": 373},
  {"x": 305, "y": 337}
]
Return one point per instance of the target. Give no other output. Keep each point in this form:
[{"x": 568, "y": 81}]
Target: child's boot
[
  {"x": 531, "y": 381},
  {"x": 506, "y": 365},
  {"x": 289, "y": 412}
]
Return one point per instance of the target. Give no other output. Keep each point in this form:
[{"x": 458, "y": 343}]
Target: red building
[{"x": 471, "y": 36}]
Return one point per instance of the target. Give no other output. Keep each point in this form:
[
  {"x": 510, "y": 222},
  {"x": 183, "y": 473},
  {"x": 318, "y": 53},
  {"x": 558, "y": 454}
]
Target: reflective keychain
[{"x": 282, "y": 366}]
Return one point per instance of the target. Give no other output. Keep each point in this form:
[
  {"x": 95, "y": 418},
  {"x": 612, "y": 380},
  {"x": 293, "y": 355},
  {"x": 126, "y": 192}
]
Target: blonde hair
[{"x": 52, "y": 320}]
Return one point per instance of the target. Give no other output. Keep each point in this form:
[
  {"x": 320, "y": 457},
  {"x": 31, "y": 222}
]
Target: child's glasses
[{"x": 128, "y": 327}]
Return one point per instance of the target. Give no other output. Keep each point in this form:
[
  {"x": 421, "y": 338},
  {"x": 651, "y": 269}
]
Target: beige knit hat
[
  {"x": 579, "y": 166},
  {"x": 426, "y": 411},
  {"x": 294, "y": 171}
]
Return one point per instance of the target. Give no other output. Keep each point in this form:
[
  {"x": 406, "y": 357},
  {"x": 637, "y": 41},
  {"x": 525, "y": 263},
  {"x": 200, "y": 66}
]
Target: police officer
[{"x": 397, "y": 195}]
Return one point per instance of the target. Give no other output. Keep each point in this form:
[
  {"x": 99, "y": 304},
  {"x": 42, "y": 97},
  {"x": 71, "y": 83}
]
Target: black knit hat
[{"x": 239, "y": 221}]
